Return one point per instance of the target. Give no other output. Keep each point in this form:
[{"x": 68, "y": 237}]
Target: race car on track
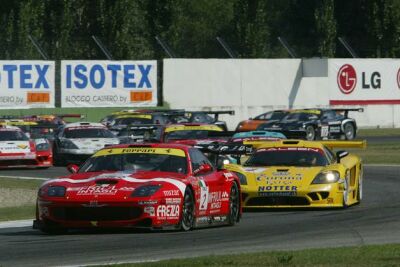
[
  {"x": 191, "y": 134},
  {"x": 252, "y": 123},
  {"x": 256, "y": 136},
  {"x": 76, "y": 142},
  {"x": 298, "y": 173},
  {"x": 142, "y": 185},
  {"x": 17, "y": 150},
  {"x": 311, "y": 124}
]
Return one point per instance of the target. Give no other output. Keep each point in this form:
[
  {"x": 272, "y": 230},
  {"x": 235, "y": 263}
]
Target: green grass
[
  {"x": 91, "y": 114},
  {"x": 19, "y": 183},
  {"x": 17, "y": 213},
  {"x": 368, "y": 256},
  {"x": 379, "y": 132},
  {"x": 379, "y": 153}
]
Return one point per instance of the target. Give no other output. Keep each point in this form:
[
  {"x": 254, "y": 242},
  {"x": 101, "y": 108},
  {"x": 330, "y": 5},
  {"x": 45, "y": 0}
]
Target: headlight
[
  {"x": 326, "y": 177},
  {"x": 52, "y": 191},
  {"x": 145, "y": 190},
  {"x": 242, "y": 178},
  {"x": 67, "y": 144},
  {"x": 42, "y": 147}
]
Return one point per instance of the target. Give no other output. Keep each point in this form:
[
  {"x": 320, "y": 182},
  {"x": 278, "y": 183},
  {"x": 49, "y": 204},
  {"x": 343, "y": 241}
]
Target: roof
[{"x": 151, "y": 145}]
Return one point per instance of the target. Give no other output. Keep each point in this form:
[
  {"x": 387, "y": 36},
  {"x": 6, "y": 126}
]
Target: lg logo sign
[{"x": 347, "y": 79}]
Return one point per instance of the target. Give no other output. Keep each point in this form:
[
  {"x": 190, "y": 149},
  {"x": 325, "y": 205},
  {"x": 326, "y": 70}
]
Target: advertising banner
[
  {"x": 108, "y": 83},
  {"x": 364, "y": 81},
  {"x": 26, "y": 84}
]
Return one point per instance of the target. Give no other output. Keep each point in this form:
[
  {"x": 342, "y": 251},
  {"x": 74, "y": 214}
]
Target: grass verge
[
  {"x": 379, "y": 153},
  {"x": 368, "y": 256},
  {"x": 379, "y": 132},
  {"x": 17, "y": 199}
]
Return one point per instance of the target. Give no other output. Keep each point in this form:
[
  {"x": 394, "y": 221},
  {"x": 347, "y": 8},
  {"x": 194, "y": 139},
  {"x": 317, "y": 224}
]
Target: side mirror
[
  {"x": 341, "y": 154},
  {"x": 72, "y": 168},
  {"x": 203, "y": 169}
]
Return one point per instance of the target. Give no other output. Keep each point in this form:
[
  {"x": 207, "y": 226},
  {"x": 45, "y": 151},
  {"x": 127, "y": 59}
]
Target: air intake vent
[{"x": 290, "y": 142}]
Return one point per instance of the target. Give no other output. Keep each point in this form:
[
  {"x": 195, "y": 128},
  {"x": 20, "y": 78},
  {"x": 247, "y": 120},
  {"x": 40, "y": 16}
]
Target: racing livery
[
  {"x": 252, "y": 123},
  {"x": 314, "y": 124},
  {"x": 142, "y": 185},
  {"x": 17, "y": 150},
  {"x": 297, "y": 173},
  {"x": 75, "y": 142}
]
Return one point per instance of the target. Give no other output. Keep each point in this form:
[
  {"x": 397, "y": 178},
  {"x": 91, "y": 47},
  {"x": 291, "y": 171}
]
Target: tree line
[{"x": 64, "y": 28}]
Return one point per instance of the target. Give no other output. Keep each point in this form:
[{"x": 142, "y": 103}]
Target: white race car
[
  {"x": 17, "y": 150},
  {"x": 76, "y": 142}
]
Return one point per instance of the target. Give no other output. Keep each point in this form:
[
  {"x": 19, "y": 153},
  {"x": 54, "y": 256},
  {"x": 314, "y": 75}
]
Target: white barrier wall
[{"x": 253, "y": 86}]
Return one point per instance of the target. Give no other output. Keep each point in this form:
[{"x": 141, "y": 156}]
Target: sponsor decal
[
  {"x": 141, "y": 150},
  {"x": 127, "y": 188},
  {"x": 170, "y": 211},
  {"x": 150, "y": 211},
  {"x": 94, "y": 223},
  {"x": 347, "y": 79},
  {"x": 277, "y": 188},
  {"x": 174, "y": 201},
  {"x": 97, "y": 190},
  {"x": 147, "y": 202},
  {"x": 216, "y": 205},
  {"x": 277, "y": 194},
  {"x": 94, "y": 204},
  {"x": 225, "y": 195},
  {"x": 334, "y": 129},
  {"x": 170, "y": 193},
  {"x": 280, "y": 178}
]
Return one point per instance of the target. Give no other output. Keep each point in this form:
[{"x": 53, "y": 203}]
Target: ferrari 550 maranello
[
  {"x": 296, "y": 173},
  {"x": 143, "y": 185}
]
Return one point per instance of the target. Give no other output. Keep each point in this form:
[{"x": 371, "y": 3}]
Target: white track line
[
  {"x": 13, "y": 224},
  {"x": 24, "y": 177}
]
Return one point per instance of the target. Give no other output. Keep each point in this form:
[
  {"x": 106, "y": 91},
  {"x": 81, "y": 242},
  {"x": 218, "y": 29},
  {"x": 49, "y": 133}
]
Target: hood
[
  {"x": 281, "y": 178},
  {"x": 117, "y": 186},
  {"x": 15, "y": 147},
  {"x": 94, "y": 143}
]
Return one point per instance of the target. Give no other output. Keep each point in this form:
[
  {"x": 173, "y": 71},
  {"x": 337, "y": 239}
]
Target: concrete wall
[{"x": 253, "y": 86}]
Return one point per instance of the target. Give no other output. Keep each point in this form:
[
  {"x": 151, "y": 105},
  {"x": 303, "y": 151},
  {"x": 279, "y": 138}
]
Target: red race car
[
  {"x": 17, "y": 150},
  {"x": 142, "y": 185}
]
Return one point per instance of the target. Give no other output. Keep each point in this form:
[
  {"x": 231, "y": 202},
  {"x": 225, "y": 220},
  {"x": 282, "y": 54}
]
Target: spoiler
[
  {"x": 344, "y": 144},
  {"x": 347, "y": 110}
]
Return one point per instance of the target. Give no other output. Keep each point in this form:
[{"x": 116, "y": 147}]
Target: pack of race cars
[{"x": 183, "y": 170}]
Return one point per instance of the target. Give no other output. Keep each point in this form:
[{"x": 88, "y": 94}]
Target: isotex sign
[
  {"x": 108, "y": 83},
  {"x": 26, "y": 84},
  {"x": 364, "y": 81}
]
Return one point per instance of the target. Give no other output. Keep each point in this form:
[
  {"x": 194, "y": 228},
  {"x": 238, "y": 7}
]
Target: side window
[
  {"x": 329, "y": 115},
  {"x": 329, "y": 154},
  {"x": 197, "y": 158}
]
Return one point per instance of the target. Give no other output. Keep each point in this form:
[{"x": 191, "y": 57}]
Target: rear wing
[
  {"x": 347, "y": 110},
  {"x": 215, "y": 113},
  {"x": 344, "y": 144}
]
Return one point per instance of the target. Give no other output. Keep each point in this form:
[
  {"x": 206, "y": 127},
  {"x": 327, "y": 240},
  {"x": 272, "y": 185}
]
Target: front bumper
[
  {"x": 315, "y": 196},
  {"x": 34, "y": 160}
]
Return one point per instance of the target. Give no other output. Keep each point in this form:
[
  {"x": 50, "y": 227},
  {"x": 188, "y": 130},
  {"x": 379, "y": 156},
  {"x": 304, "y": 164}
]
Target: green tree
[{"x": 326, "y": 28}]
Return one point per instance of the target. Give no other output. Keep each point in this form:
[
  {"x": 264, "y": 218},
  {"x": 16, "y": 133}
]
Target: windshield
[
  {"x": 299, "y": 117},
  {"x": 136, "y": 162},
  {"x": 189, "y": 134},
  {"x": 127, "y": 121},
  {"x": 88, "y": 133},
  {"x": 302, "y": 157},
  {"x": 13, "y": 136}
]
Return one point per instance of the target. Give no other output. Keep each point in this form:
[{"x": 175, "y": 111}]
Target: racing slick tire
[
  {"x": 234, "y": 205},
  {"x": 310, "y": 133},
  {"x": 349, "y": 131},
  {"x": 188, "y": 211}
]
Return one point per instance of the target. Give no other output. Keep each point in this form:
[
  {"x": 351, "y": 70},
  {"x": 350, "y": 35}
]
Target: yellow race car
[{"x": 300, "y": 174}]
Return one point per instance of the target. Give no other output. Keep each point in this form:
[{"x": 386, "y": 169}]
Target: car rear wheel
[
  {"x": 188, "y": 209},
  {"x": 234, "y": 205},
  {"x": 349, "y": 131},
  {"x": 310, "y": 133}
]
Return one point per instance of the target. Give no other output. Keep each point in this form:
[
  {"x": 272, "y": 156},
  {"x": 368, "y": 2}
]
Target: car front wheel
[{"x": 188, "y": 208}]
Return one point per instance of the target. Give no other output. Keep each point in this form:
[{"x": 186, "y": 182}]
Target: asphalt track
[{"x": 375, "y": 221}]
